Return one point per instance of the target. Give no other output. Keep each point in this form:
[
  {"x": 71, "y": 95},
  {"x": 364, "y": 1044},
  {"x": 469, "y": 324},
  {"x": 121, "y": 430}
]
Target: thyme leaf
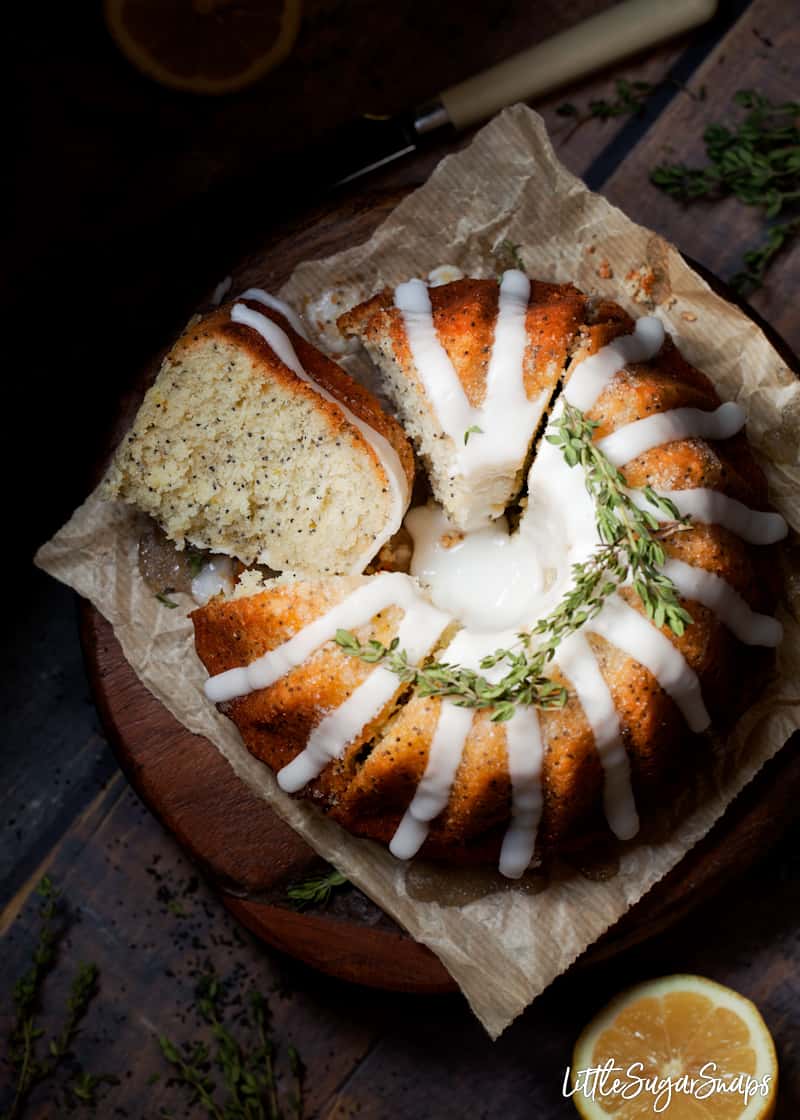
[
  {"x": 756, "y": 161},
  {"x": 164, "y": 597},
  {"x": 474, "y": 430},
  {"x": 317, "y": 890}
]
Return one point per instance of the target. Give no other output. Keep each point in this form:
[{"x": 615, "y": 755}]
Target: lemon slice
[
  {"x": 204, "y": 46},
  {"x": 683, "y": 1048}
]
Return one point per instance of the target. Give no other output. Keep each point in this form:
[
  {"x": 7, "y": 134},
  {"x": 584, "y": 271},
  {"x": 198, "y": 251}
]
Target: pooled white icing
[
  {"x": 491, "y": 440},
  {"x": 632, "y": 440},
  {"x": 713, "y": 508},
  {"x": 455, "y": 567},
  {"x": 258, "y": 295},
  {"x": 591, "y": 376},
  {"x": 278, "y": 340},
  {"x": 712, "y": 591},
  {"x": 381, "y": 591},
  {"x": 214, "y": 578},
  {"x": 635, "y": 635},
  {"x": 578, "y": 662}
]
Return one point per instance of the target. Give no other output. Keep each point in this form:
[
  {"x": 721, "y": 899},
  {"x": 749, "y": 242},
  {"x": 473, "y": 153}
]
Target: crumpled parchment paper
[{"x": 503, "y": 943}]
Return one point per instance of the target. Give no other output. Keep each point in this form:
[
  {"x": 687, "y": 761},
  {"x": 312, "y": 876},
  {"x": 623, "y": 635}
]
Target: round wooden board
[{"x": 252, "y": 856}]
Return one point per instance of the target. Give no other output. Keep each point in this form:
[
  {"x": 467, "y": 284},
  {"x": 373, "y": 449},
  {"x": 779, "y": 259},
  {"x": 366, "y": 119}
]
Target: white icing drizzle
[
  {"x": 278, "y": 340},
  {"x": 380, "y": 591},
  {"x": 577, "y": 660},
  {"x": 431, "y": 359},
  {"x": 433, "y": 791},
  {"x": 635, "y": 635},
  {"x": 421, "y": 626},
  {"x": 524, "y": 749},
  {"x": 447, "y": 747},
  {"x": 712, "y": 591},
  {"x": 507, "y": 419},
  {"x": 258, "y": 295},
  {"x": 591, "y": 376},
  {"x": 632, "y": 440},
  {"x": 713, "y": 508}
]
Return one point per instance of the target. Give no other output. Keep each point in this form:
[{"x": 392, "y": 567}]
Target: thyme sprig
[
  {"x": 317, "y": 890},
  {"x": 248, "y": 1073},
  {"x": 632, "y": 536},
  {"x": 631, "y": 548},
  {"x": 756, "y": 161},
  {"x": 630, "y": 97},
  {"x": 28, "y": 1066}
]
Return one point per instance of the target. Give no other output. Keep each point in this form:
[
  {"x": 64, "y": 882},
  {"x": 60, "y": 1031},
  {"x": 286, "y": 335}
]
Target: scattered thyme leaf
[
  {"x": 630, "y": 98},
  {"x": 474, "y": 430},
  {"x": 85, "y": 1085},
  {"x": 163, "y": 597},
  {"x": 757, "y": 162},
  {"x": 317, "y": 890}
]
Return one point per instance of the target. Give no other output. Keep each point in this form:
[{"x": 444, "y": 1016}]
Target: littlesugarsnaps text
[{"x": 610, "y": 1080}]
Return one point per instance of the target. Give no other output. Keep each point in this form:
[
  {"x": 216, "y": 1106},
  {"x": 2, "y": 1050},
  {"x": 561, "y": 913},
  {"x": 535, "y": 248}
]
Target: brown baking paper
[{"x": 503, "y": 943}]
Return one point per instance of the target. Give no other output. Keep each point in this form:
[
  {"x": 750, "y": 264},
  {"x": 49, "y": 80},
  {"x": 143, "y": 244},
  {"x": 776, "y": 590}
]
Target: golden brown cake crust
[{"x": 464, "y": 314}]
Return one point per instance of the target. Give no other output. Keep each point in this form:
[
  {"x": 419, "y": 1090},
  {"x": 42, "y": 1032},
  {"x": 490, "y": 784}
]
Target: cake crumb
[
  {"x": 451, "y": 538},
  {"x": 641, "y": 282},
  {"x": 689, "y": 316},
  {"x": 605, "y": 271}
]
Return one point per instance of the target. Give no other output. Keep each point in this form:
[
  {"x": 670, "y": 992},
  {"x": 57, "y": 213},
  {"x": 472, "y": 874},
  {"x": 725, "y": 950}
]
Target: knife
[{"x": 370, "y": 142}]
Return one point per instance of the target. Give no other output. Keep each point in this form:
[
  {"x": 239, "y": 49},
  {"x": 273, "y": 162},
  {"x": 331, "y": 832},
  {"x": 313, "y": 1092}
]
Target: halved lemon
[
  {"x": 204, "y": 46},
  {"x": 683, "y": 1048}
]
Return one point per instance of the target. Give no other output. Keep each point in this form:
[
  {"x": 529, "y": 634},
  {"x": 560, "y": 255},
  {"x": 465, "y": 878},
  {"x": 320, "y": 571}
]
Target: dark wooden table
[{"x": 136, "y": 168}]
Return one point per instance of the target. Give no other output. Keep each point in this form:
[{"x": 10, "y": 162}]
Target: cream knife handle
[{"x": 605, "y": 38}]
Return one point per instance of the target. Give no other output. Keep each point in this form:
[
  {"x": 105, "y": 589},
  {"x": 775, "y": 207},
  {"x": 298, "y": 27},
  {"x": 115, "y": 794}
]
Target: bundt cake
[
  {"x": 251, "y": 443},
  {"x": 542, "y": 665}
]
